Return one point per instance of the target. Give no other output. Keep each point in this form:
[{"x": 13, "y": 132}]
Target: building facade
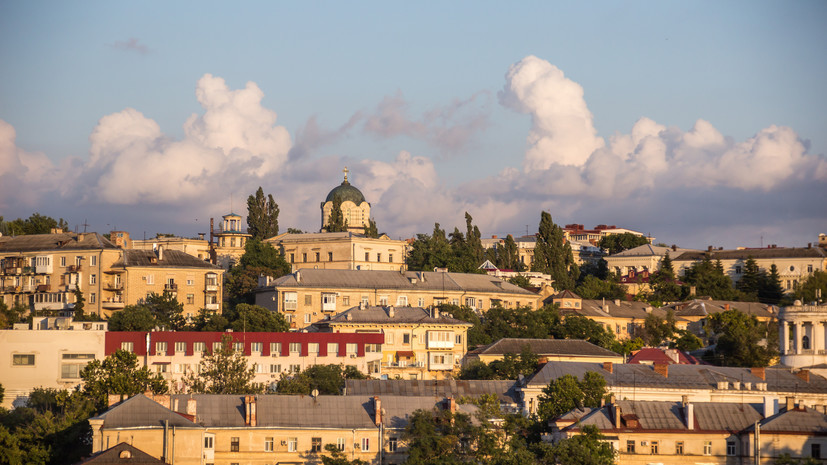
[
  {"x": 803, "y": 337},
  {"x": 341, "y": 251},
  {"x": 228, "y": 242}
]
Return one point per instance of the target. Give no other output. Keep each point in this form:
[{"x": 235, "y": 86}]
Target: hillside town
[{"x": 248, "y": 344}]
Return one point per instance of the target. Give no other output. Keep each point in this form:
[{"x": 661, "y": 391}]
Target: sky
[{"x": 699, "y": 123}]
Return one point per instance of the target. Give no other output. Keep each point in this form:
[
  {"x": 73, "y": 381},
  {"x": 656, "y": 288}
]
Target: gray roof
[
  {"x": 412, "y": 280},
  {"x": 706, "y": 307},
  {"x": 140, "y": 410},
  {"x": 800, "y": 420},
  {"x": 381, "y": 315},
  {"x": 171, "y": 259},
  {"x": 743, "y": 254},
  {"x": 112, "y": 456},
  {"x": 612, "y": 309},
  {"x": 680, "y": 377},
  {"x": 648, "y": 250},
  {"x": 568, "y": 347},
  {"x": 505, "y": 390},
  {"x": 55, "y": 242}
]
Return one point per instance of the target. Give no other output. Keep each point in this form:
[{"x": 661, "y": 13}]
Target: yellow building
[
  {"x": 228, "y": 242},
  {"x": 42, "y": 271},
  {"x": 341, "y": 251},
  {"x": 308, "y": 296},
  {"x": 193, "y": 282},
  {"x": 355, "y": 209},
  {"x": 198, "y": 248},
  {"x": 419, "y": 344}
]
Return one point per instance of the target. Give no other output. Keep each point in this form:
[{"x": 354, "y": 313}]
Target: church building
[{"x": 355, "y": 209}]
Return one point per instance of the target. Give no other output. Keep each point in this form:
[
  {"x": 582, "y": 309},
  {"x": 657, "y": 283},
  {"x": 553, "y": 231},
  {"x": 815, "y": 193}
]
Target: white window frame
[
  {"x": 291, "y": 301},
  {"x": 365, "y": 445}
]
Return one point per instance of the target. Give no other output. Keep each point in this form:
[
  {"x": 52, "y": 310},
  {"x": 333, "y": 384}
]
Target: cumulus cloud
[{"x": 23, "y": 175}]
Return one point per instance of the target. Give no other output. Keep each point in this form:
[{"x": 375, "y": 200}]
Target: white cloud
[{"x": 24, "y": 176}]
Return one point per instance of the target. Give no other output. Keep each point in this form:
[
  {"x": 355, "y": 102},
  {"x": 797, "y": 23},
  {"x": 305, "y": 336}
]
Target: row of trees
[
  {"x": 34, "y": 224},
  {"x": 458, "y": 252}
]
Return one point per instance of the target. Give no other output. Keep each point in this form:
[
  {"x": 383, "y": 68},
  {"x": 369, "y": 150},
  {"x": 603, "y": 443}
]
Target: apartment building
[
  {"x": 50, "y": 354},
  {"x": 175, "y": 354},
  {"x": 43, "y": 271},
  {"x": 341, "y": 251},
  {"x": 309, "y": 296},
  {"x": 419, "y": 343}
]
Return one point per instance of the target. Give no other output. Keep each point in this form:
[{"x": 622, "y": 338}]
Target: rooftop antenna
[{"x": 84, "y": 224}]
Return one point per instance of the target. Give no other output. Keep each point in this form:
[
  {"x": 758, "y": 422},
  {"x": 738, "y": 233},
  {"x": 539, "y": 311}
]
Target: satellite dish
[{"x": 315, "y": 393}]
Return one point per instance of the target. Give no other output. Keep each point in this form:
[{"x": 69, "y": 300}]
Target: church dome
[{"x": 344, "y": 192}]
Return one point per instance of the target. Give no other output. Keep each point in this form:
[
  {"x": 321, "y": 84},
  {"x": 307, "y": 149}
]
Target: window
[
  {"x": 318, "y": 256},
  {"x": 275, "y": 368},
  {"x": 707, "y": 447},
  {"x": 738, "y": 269},
  {"x": 809, "y": 268},
  {"x": 291, "y": 300},
  {"x": 421, "y": 302},
  {"x": 268, "y": 444},
  {"x": 630, "y": 446},
  {"x": 378, "y": 257},
  {"x": 470, "y": 302},
  {"x": 216, "y": 347},
  {"x": 679, "y": 448},
  {"x": 308, "y": 300},
  {"x": 365, "y": 300},
  {"x": 212, "y": 279},
  {"x": 292, "y": 444},
  {"x": 190, "y": 299},
  {"x": 367, "y": 256},
  {"x": 190, "y": 282},
  {"x": 127, "y": 346},
  {"x": 72, "y": 370},
  {"x": 365, "y": 444},
  {"x": 78, "y": 260},
  {"x": 275, "y": 348},
  {"x": 351, "y": 348},
  {"x": 315, "y": 444},
  {"x": 392, "y": 444},
  {"x": 161, "y": 368},
  {"x": 440, "y": 339},
  {"x": 329, "y": 302},
  {"x": 383, "y": 300},
  {"x": 346, "y": 300},
  {"x": 93, "y": 278},
  {"x": 180, "y": 347},
  {"x": 375, "y": 348},
  {"x": 307, "y": 318},
  {"x": 340, "y": 444},
  {"x": 815, "y": 451},
  {"x": 209, "y": 442},
  {"x": 330, "y": 256},
  {"x": 93, "y": 260},
  {"x": 313, "y": 348},
  {"x": 455, "y": 302},
  {"x": 332, "y": 348},
  {"x": 654, "y": 448},
  {"x": 256, "y": 347},
  {"x": 406, "y": 338},
  {"x": 92, "y": 298},
  {"x": 160, "y": 347},
  {"x": 390, "y": 258},
  {"x": 304, "y": 257},
  {"x": 389, "y": 338},
  {"x": 199, "y": 347},
  {"x": 458, "y": 339},
  {"x": 295, "y": 347},
  {"x": 730, "y": 448},
  {"x": 402, "y": 301},
  {"x": 62, "y": 261},
  {"x": 150, "y": 279},
  {"x": 238, "y": 346},
  {"x": 234, "y": 444}
]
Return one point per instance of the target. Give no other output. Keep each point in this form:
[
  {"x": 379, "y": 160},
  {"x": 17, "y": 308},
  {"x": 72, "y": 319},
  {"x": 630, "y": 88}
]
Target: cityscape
[{"x": 536, "y": 234}]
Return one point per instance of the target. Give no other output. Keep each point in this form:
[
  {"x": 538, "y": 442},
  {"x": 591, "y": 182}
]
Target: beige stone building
[
  {"x": 341, "y": 251},
  {"x": 419, "y": 343},
  {"x": 197, "y": 247},
  {"x": 228, "y": 242},
  {"x": 308, "y": 296},
  {"x": 194, "y": 283},
  {"x": 42, "y": 271},
  {"x": 560, "y": 350},
  {"x": 576, "y": 232},
  {"x": 644, "y": 258},
  {"x": 803, "y": 337},
  {"x": 49, "y": 354},
  {"x": 795, "y": 264},
  {"x": 355, "y": 209}
]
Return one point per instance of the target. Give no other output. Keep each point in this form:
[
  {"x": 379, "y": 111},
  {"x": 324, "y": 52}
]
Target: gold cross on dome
[{"x": 345, "y": 171}]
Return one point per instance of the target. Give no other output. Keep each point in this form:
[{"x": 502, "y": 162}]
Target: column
[
  {"x": 785, "y": 337},
  {"x": 797, "y": 336},
  {"x": 817, "y": 337}
]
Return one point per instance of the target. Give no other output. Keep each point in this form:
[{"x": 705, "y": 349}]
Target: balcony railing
[
  {"x": 113, "y": 286},
  {"x": 112, "y": 304},
  {"x": 211, "y": 306},
  {"x": 172, "y": 287},
  {"x": 211, "y": 287},
  {"x": 73, "y": 268}
]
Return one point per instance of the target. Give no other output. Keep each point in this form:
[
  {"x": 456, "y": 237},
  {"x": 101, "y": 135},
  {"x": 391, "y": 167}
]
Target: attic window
[{"x": 125, "y": 454}]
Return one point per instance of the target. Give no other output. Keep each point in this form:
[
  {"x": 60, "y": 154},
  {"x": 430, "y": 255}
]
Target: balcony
[
  {"x": 211, "y": 287},
  {"x": 171, "y": 287},
  {"x": 40, "y": 306},
  {"x": 211, "y": 306},
  {"x": 44, "y": 288},
  {"x": 112, "y": 304},
  {"x": 117, "y": 286},
  {"x": 73, "y": 268}
]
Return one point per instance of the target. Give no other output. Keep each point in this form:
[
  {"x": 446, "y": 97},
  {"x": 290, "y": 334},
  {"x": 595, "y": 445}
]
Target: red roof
[{"x": 649, "y": 355}]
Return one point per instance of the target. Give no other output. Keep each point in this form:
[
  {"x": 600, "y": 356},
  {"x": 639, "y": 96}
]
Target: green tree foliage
[
  {"x": 10, "y": 316},
  {"x": 806, "y": 292},
  {"x": 615, "y": 243},
  {"x": 460, "y": 253},
  {"x": 665, "y": 287},
  {"x": 771, "y": 291},
  {"x": 688, "y": 341},
  {"x": 568, "y": 392},
  {"x": 506, "y": 256},
  {"x": 370, "y": 229},
  {"x": 133, "y": 318},
  {"x": 207, "y": 320},
  {"x": 253, "y": 318},
  {"x": 429, "y": 251},
  {"x": 119, "y": 374},
  {"x": 223, "y": 371},
  {"x": 35, "y": 224},
  {"x": 594, "y": 288},
  {"x": 751, "y": 278},
  {"x": 157, "y": 310},
  {"x": 338, "y": 457},
  {"x": 294, "y": 231},
  {"x": 510, "y": 367},
  {"x": 440, "y": 437},
  {"x": 587, "y": 448},
  {"x": 520, "y": 280},
  {"x": 657, "y": 330},
  {"x": 260, "y": 258},
  {"x": 709, "y": 280},
  {"x": 336, "y": 222},
  {"x": 553, "y": 256},
  {"x": 599, "y": 269},
  {"x": 262, "y": 215},
  {"x": 742, "y": 340},
  {"x": 327, "y": 379}
]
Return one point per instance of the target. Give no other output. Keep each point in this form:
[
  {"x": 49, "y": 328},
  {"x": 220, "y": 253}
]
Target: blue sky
[{"x": 420, "y": 101}]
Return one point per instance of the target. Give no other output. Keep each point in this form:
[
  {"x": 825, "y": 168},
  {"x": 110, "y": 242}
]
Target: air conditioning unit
[{"x": 644, "y": 443}]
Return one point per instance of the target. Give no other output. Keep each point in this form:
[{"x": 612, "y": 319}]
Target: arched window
[{"x": 805, "y": 342}]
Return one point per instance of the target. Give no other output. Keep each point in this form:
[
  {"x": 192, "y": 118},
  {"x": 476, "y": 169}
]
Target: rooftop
[{"x": 55, "y": 242}]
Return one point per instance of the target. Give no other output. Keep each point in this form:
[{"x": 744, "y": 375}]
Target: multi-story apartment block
[
  {"x": 795, "y": 264},
  {"x": 50, "y": 354},
  {"x": 197, "y": 247},
  {"x": 309, "y": 296},
  {"x": 419, "y": 343},
  {"x": 341, "y": 251},
  {"x": 194, "y": 283},
  {"x": 43, "y": 271},
  {"x": 176, "y": 354}
]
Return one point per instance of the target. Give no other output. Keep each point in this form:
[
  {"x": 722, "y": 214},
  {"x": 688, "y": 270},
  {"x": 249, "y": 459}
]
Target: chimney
[
  {"x": 809, "y": 245},
  {"x": 692, "y": 291},
  {"x": 377, "y": 411},
  {"x": 436, "y": 313},
  {"x": 250, "y": 410},
  {"x": 160, "y": 252},
  {"x": 674, "y": 248},
  {"x": 452, "y": 404},
  {"x": 608, "y": 366},
  {"x": 790, "y": 403},
  {"x": 298, "y": 276},
  {"x": 616, "y": 413},
  {"x": 542, "y": 361},
  {"x": 192, "y": 408},
  {"x": 662, "y": 369},
  {"x": 689, "y": 409},
  {"x": 390, "y": 311},
  {"x": 709, "y": 248},
  {"x": 673, "y": 355},
  {"x": 617, "y": 302},
  {"x": 759, "y": 372},
  {"x": 804, "y": 375},
  {"x": 726, "y": 307},
  {"x": 114, "y": 399},
  {"x": 770, "y": 407}
]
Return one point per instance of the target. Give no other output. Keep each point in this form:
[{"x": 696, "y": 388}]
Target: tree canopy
[
  {"x": 458, "y": 252},
  {"x": 742, "y": 340},
  {"x": 370, "y": 229},
  {"x": 327, "y": 379},
  {"x": 806, "y": 291},
  {"x": 34, "y": 224},
  {"x": 260, "y": 258},
  {"x": 569, "y": 392},
  {"x": 709, "y": 280},
  {"x": 157, "y": 310},
  {"x": 119, "y": 373},
  {"x": 615, "y": 243},
  {"x": 223, "y": 371},
  {"x": 336, "y": 222},
  {"x": 262, "y": 215},
  {"x": 553, "y": 256}
]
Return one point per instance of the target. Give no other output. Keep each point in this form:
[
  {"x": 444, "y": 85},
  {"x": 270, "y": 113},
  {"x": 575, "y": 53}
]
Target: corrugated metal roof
[
  {"x": 505, "y": 390},
  {"x": 568, "y": 347},
  {"x": 382, "y": 315},
  {"x": 169, "y": 259},
  {"x": 141, "y": 411},
  {"x": 657, "y": 415},
  {"x": 62, "y": 241}
]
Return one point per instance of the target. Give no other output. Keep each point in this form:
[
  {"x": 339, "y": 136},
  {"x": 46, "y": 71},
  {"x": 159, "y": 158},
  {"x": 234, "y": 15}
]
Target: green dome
[{"x": 344, "y": 192}]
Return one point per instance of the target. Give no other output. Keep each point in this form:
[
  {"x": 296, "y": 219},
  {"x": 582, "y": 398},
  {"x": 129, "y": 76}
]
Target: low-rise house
[
  {"x": 644, "y": 432},
  {"x": 50, "y": 353},
  {"x": 701, "y": 383},
  {"x": 559, "y": 350},
  {"x": 341, "y": 251},
  {"x": 308, "y": 296},
  {"x": 175, "y": 354},
  {"x": 646, "y": 258},
  {"x": 653, "y": 355},
  {"x": 419, "y": 343}
]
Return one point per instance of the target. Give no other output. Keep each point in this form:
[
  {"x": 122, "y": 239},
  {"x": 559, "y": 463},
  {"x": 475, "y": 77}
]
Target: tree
[
  {"x": 10, "y": 316},
  {"x": 260, "y": 258},
  {"x": 664, "y": 285},
  {"x": 807, "y": 291},
  {"x": 262, "y": 216},
  {"x": 688, "y": 341},
  {"x": 223, "y": 371},
  {"x": 327, "y": 379},
  {"x": 133, "y": 318},
  {"x": 520, "y": 280},
  {"x": 751, "y": 279},
  {"x": 253, "y": 318},
  {"x": 207, "y": 320},
  {"x": 370, "y": 229},
  {"x": 440, "y": 437},
  {"x": 593, "y": 288},
  {"x": 615, "y": 243},
  {"x": 771, "y": 291},
  {"x": 553, "y": 256},
  {"x": 167, "y": 310},
  {"x": 742, "y": 340},
  {"x": 34, "y": 224},
  {"x": 338, "y": 457},
  {"x": 429, "y": 252},
  {"x": 509, "y": 367},
  {"x": 336, "y": 222},
  {"x": 587, "y": 448},
  {"x": 709, "y": 280},
  {"x": 567, "y": 393},
  {"x": 658, "y": 330},
  {"x": 119, "y": 373}
]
